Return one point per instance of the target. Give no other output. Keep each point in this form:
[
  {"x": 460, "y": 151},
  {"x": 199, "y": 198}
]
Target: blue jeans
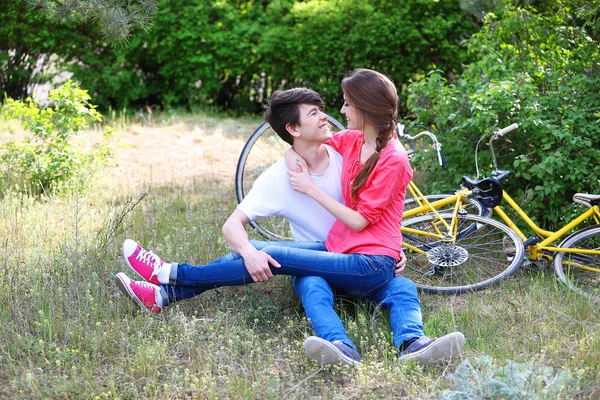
[
  {"x": 172, "y": 293},
  {"x": 356, "y": 274},
  {"x": 399, "y": 294}
]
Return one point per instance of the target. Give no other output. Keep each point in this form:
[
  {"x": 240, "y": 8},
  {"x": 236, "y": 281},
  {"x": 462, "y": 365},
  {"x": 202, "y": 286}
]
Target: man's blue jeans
[{"x": 354, "y": 274}]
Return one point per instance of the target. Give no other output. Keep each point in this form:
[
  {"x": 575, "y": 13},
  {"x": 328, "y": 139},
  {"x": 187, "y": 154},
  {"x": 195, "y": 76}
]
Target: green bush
[
  {"x": 49, "y": 160},
  {"x": 231, "y": 55},
  {"x": 541, "y": 71}
]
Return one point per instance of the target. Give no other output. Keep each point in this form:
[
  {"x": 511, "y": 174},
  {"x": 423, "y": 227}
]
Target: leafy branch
[{"x": 117, "y": 18}]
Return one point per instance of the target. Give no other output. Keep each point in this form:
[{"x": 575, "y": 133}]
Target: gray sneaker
[
  {"x": 326, "y": 352},
  {"x": 434, "y": 351}
]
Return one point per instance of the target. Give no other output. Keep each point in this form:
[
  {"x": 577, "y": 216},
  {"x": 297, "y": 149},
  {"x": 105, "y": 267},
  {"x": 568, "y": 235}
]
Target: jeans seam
[{"x": 303, "y": 266}]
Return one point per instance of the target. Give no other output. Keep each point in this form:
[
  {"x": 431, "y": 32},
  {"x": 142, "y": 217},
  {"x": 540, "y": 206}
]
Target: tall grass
[{"x": 68, "y": 333}]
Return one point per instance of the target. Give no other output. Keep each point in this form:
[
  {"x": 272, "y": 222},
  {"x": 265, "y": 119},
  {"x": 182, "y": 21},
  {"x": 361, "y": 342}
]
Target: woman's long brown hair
[{"x": 374, "y": 96}]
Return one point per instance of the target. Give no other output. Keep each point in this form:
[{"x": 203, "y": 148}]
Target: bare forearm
[
  {"x": 302, "y": 182},
  {"x": 235, "y": 234}
]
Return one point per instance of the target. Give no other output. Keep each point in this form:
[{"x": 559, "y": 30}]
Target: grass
[{"x": 68, "y": 333}]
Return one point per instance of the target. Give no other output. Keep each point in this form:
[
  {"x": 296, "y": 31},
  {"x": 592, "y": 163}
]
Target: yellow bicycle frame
[
  {"x": 550, "y": 237},
  {"x": 444, "y": 231}
]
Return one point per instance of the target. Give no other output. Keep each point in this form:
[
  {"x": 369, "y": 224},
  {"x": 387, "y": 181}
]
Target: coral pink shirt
[{"x": 380, "y": 201}]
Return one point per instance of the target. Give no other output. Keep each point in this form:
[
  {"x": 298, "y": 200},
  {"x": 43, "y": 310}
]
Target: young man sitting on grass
[{"x": 310, "y": 223}]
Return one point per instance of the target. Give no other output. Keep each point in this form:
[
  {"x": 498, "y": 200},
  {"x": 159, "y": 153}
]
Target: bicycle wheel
[
  {"x": 471, "y": 205},
  {"x": 484, "y": 252},
  {"x": 579, "y": 271},
  {"x": 263, "y": 149}
]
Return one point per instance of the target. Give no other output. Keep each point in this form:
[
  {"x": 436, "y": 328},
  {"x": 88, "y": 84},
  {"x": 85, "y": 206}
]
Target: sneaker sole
[
  {"x": 121, "y": 281},
  {"x": 441, "y": 350},
  {"x": 325, "y": 352}
]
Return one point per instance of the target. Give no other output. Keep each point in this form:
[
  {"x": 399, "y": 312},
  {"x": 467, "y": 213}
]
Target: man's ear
[{"x": 292, "y": 130}]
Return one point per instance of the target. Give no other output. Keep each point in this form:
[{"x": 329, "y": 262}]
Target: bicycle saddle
[
  {"x": 488, "y": 191},
  {"x": 588, "y": 200}
]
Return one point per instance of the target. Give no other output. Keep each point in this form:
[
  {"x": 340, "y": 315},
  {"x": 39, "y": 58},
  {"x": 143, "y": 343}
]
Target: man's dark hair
[{"x": 283, "y": 109}]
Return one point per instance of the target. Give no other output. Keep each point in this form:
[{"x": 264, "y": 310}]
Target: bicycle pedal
[{"x": 531, "y": 241}]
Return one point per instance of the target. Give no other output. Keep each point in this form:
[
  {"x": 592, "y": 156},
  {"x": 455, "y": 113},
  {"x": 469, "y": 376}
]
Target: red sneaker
[
  {"x": 144, "y": 263},
  {"x": 143, "y": 293}
]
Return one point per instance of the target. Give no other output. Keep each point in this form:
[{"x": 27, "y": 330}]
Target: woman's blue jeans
[
  {"x": 353, "y": 274},
  {"x": 399, "y": 296}
]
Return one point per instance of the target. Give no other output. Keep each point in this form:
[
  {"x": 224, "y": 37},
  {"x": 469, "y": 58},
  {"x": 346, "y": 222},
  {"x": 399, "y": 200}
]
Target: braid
[{"x": 381, "y": 142}]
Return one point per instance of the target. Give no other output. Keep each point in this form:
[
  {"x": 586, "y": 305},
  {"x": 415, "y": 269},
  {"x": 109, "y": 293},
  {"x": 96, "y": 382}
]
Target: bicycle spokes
[
  {"x": 473, "y": 259},
  {"x": 578, "y": 266}
]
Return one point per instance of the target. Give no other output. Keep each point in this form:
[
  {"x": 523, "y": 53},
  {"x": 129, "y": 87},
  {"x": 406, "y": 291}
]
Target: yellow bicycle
[
  {"x": 450, "y": 244},
  {"x": 438, "y": 262}
]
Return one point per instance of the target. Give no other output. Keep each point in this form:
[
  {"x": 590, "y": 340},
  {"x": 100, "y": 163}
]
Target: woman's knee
[
  {"x": 260, "y": 244},
  {"x": 400, "y": 284},
  {"x": 312, "y": 287},
  {"x": 272, "y": 250}
]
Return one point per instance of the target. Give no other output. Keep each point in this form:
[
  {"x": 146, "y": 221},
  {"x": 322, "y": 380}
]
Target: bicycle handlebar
[
  {"x": 441, "y": 158},
  {"x": 410, "y": 140},
  {"x": 508, "y": 129}
]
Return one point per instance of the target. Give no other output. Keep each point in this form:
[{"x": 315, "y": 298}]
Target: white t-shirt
[{"x": 272, "y": 194}]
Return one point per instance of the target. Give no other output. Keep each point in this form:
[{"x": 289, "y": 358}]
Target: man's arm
[{"x": 256, "y": 262}]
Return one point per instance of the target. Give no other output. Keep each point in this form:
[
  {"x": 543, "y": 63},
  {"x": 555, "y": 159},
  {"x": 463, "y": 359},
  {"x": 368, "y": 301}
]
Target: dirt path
[{"x": 176, "y": 151}]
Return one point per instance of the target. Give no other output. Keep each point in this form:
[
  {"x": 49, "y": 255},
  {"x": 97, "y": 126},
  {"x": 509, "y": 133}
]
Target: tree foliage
[
  {"x": 116, "y": 19},
  {"x": 541, "y": 70},
  {"x": 28, "y": 41},
  {"x": 233, "y": 54}
]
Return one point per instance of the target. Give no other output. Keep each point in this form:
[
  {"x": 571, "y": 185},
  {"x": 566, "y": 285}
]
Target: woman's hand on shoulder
[
  {"x": 301, "y": 180},
  {"x": 293, "y": 160}
]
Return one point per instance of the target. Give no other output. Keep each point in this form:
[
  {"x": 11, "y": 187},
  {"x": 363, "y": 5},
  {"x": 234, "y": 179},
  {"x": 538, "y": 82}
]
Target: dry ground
[
  {"x": 173, "y": 150},
  {"x": 177, "y": 153}
]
